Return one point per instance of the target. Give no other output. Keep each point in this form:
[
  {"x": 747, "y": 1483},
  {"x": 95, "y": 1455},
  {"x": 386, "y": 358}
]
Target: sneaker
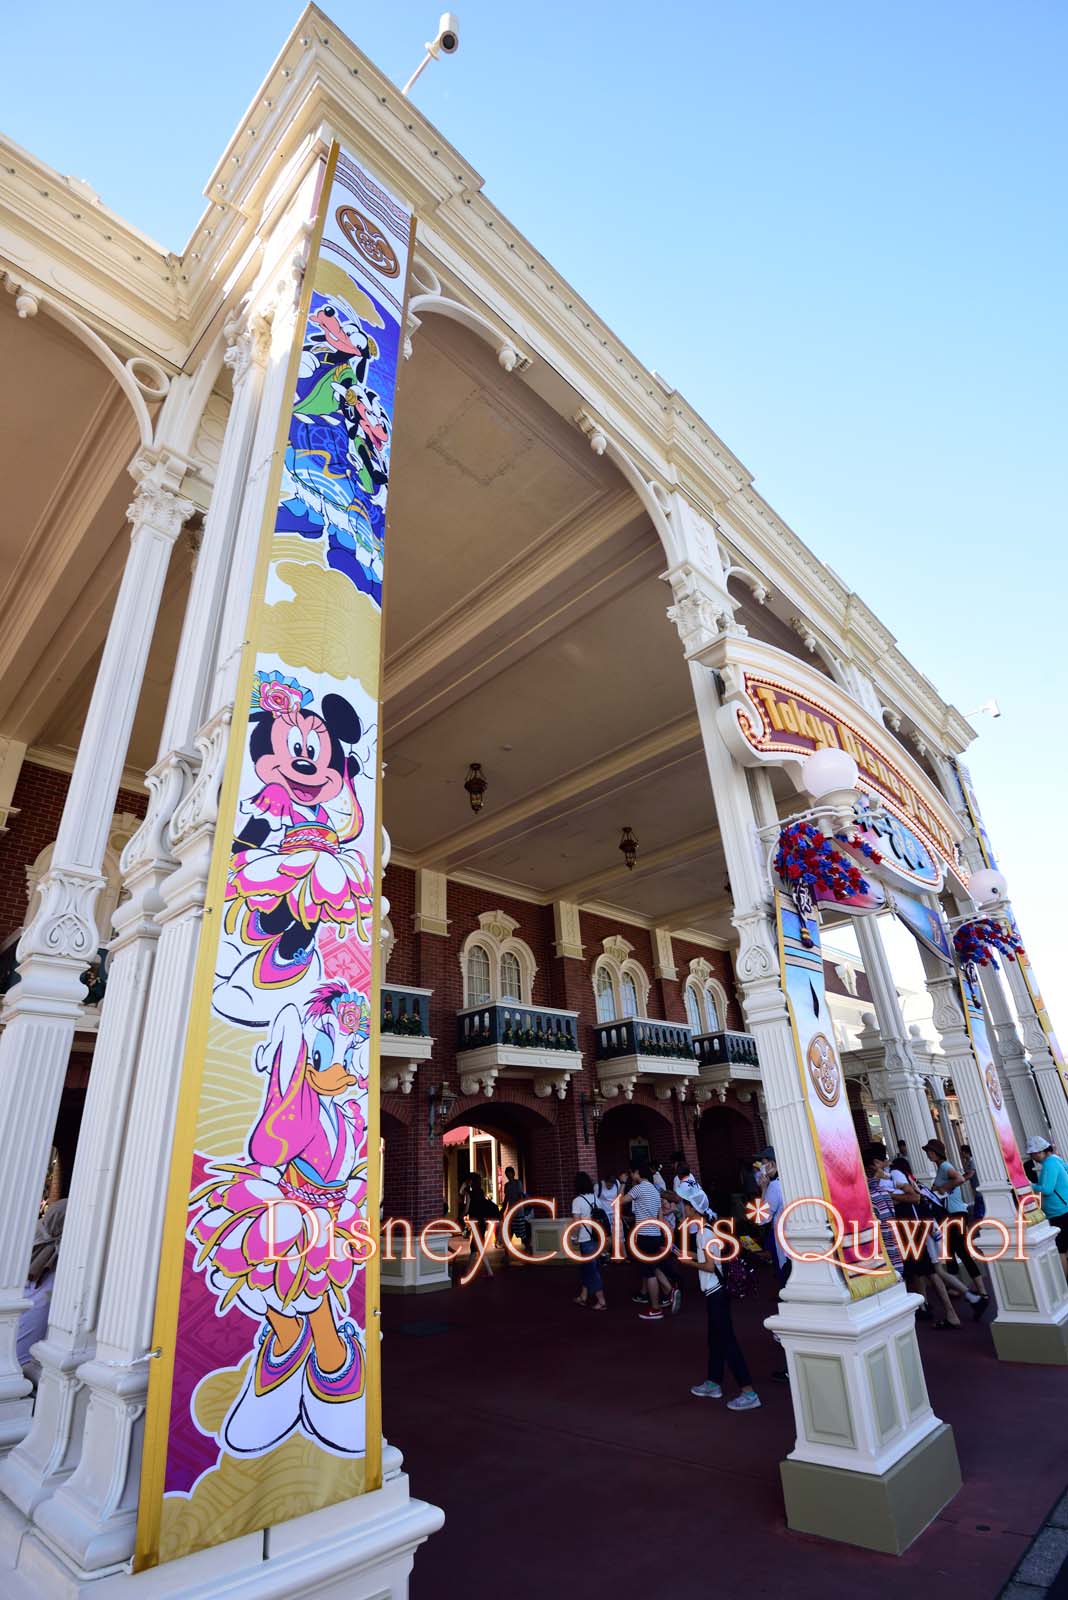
[
  {"x": 640, "y": 1299},
  {"x": 781, "y": 1375},
  {"x": 676, "y": 1301},
  {"x": 744, "y": 1402},
  {"x": 707, "y": 1390},
  {"x": 650, "y": 1315}
]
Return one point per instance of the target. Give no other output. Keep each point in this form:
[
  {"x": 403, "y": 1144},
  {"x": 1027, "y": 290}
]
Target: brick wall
[
  {"x": 554, "y": 1138},
  {"x": 39, "y": 797}
]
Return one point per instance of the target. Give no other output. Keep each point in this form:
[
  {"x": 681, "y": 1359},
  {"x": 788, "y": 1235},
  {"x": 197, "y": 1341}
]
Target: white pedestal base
[
  {"x": 422, "y": 1275},
  {"x": 362, "y": 1549}
]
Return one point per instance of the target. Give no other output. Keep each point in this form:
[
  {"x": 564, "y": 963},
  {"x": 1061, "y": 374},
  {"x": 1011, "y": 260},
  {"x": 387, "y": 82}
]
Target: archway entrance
[
  {"x": 488, "y": 1137},
  {"x": 725, "y": 1141},
  {"x": 630, "y": 1134}
]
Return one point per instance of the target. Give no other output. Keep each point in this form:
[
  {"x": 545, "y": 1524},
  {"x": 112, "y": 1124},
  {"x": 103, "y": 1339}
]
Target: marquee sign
[
  {"x": 265, "y": 1402},
  {"x": 778, "y": 710}
]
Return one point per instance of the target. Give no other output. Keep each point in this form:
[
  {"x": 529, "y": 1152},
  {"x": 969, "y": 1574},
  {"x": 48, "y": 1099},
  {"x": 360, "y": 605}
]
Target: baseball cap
[
  {"x": 1035, "y": 1146},
  {"x": 766, "y": 1154}
]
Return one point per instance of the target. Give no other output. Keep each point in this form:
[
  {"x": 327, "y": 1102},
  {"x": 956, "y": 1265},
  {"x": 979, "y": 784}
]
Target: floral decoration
[
  {"x": 283, "y": 697},
  {"x": 976, "y": 941}
]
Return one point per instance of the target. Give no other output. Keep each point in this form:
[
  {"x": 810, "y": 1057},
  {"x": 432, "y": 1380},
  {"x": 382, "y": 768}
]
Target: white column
[
  {"x": 1032, "y": 1297},
  {"x": 42, "y": 1009},
  {"x": 50, "y": 1450},
  {"x": 946, "y": 1130},
  {"x": 91, "y": 1518},
  {"x": 912, "y": 1114},
  {"x": 1022, "y": 1099},
  {"x": 1047, "y": 1074},
  {"x": 860, "y": 1400}
]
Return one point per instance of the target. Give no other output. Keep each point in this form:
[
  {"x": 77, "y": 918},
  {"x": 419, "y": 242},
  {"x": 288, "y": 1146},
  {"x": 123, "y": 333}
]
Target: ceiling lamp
[
  {"x": 476, "y": 786},
  {"x": 629, "y": 846}
]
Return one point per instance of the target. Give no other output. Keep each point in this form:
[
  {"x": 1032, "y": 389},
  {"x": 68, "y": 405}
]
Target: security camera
[{"x": 448, "y": 39}]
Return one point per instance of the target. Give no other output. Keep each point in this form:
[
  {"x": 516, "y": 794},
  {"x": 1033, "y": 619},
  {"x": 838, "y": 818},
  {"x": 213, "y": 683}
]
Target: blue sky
[{"x": 838, "y": 229}]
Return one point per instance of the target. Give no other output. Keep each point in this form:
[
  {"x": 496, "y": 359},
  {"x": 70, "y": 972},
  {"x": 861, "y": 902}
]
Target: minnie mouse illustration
[
  {"x": 276, "y": 1234},
  {"x": 293, "y": 866}
]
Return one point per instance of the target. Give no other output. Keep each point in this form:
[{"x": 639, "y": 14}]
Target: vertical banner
[
  {"x": 265, "y": 1402},
  {"x": 924, "y": 922},
  {"x": 1045, "y": 1021},
  {"x": 845, "y": 1186},
  {"x": 995, "y": 1096}
]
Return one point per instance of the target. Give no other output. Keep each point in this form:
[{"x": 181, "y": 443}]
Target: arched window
[
  {"x": 629, "y": 995},
  {"x": 693, "y": 1010},
  {"x": 606, "y": 1000},
  {"x": 479, "y": 992},
  {"x": 511, "y": 977},
  {"x": 715, "y": 1022}
]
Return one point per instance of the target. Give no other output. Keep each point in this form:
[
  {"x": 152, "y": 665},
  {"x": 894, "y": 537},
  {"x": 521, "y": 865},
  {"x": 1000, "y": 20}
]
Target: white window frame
[
  {"x": 496, "y": 935},
  {"x": 618, "y": 962}
]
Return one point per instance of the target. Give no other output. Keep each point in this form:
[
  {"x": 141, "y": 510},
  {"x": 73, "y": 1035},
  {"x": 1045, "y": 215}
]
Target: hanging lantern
[
  {"x": 476, "y": 786},
  {"x": 629, "y": 846}
]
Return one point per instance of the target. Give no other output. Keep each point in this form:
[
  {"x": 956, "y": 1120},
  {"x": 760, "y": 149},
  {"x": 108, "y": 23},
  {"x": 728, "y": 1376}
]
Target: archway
[
  {"x": 725, "y": 1140},
  {"x": 488, "y": 1137},
  {"x": 630, "y": 1134}
]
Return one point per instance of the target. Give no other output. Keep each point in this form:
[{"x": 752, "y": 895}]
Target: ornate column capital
[
  {"x": 156, "y": 503},
  {"x": 248, "y": 342},
  {"x": 701, "y": 610},
  {"x": 58, "y": 942}
]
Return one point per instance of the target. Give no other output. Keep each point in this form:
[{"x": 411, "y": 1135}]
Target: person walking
[
  {"x": 591, "y": 1285},
  {"x": 644, "y": 1198},
  {"x": 1051, "y": 1186},
  {"x": 946, "y": 1186},
  {"x": 723, "y": 1348}
]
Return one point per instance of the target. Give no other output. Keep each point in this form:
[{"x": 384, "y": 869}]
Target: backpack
[
  {"x": 600, "y": 1215},
  {"x": 740, "y": 1278}
]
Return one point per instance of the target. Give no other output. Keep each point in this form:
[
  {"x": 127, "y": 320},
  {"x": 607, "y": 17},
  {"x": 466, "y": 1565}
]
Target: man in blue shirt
[{"x": 1052, "y": 1190}]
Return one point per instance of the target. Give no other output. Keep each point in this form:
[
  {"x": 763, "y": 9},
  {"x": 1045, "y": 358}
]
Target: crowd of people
[{"x": 653, "y": 1205}]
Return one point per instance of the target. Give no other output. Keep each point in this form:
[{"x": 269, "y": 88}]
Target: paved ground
[{"x": 568, "y": 1454}]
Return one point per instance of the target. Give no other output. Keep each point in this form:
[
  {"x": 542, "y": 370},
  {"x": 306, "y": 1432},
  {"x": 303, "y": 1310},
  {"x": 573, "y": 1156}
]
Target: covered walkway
[{"x": 566, "y": 1450}]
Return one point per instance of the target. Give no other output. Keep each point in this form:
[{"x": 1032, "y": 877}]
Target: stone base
[
  {"x": 422, "y": 1275},
  {"x": 361, "y": 1549},
  {"x": 878, "y": 1513},
  {"x": 1040, "y": 1343}
]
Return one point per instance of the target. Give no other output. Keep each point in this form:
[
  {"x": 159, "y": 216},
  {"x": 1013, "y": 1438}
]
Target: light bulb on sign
[{"x": 827, "y": 772}]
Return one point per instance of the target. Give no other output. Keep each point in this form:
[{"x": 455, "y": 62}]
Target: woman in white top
[{"x": 588, "y": 1244}]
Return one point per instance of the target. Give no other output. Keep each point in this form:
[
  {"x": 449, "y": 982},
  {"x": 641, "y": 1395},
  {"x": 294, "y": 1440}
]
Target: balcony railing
[
  {"x": 517, "y": 1027},
  {"x": 639, "y": 1036},
  {"x": 726, "y": 1050},
  {"x": 406, "y": 1012}
]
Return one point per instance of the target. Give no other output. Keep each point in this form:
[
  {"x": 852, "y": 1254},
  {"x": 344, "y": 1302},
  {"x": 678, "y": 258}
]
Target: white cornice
[{"x": 321, "y": 85}]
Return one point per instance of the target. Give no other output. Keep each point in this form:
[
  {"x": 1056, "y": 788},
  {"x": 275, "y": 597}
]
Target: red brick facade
[
  {"x": 38, "y": 800},
  {"x": 554, "y": 1138}
]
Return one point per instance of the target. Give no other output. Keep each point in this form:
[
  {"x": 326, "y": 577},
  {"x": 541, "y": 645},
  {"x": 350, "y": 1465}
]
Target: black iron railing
[
  {"x": 521, "y": 1027},
  {"x": 406, "y": 1012},
  {"x": 726, "y": 1050},
  {"x": 640, "y": 1036}
]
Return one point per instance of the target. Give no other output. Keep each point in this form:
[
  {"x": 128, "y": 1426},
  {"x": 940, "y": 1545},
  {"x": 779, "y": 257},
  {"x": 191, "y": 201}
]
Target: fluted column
[
  {"x": 43, "y": 1008},
  {"x": 91, "y": 1518},
  {"x": 1032, "y": 1297},
  {"x": 50, "y": 1450},
  {"x": 1023, "y": 1101},
  {"x": 1050, "y": 1077},
  {"x": 912, "y": 1114},
  {"x": 846, "y": 1442}
]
